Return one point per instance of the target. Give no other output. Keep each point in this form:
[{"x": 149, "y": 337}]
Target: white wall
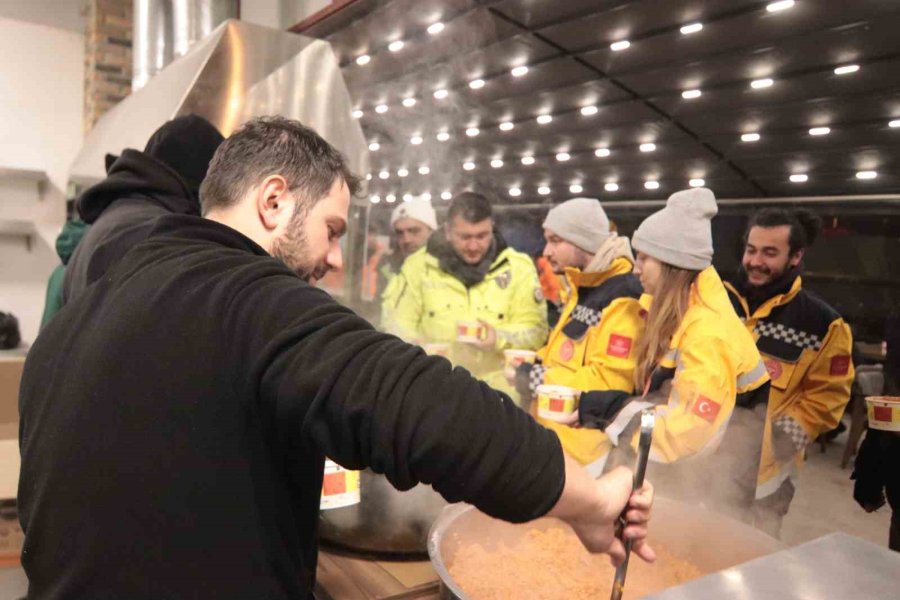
[{"x": 41, "y": 92}]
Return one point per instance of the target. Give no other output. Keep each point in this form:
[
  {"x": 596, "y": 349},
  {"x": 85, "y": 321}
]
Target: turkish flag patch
[
  {"x": 619, "y": 345},
  {"x": 840, "y": 365},
  {"x": 706, "y": 408}
]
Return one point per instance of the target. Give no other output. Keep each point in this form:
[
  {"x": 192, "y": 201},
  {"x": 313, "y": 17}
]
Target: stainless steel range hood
[{"x": 239, "y": 71}]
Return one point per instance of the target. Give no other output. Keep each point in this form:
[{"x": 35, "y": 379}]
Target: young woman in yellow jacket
[{"x": 697, "y": 366}]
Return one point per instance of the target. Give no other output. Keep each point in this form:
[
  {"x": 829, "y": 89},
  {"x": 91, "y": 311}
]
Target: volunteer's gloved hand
[{"x": 599, "y": 408}]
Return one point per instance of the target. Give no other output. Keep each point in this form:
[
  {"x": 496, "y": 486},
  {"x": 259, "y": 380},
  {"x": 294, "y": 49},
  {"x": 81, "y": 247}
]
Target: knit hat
[
  {"x": 580, "y": 221},
  {"x": 680, "y": 234},
  {"x": 187, "y": 145},
  {"x": 419, "y": 209}
]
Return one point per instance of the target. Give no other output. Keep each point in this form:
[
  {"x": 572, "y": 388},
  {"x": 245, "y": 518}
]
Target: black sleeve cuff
[{"x": 599, "y": 408}]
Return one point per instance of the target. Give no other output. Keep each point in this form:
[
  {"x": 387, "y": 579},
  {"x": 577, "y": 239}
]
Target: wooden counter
[{"x": 343, "y": 577}]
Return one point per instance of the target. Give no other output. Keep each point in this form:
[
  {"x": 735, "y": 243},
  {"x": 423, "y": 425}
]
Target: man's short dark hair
[
  {"x": 472, "y": 207},
  {"x": 805, "y": 225},
  {"x": 267, "y": 146}
]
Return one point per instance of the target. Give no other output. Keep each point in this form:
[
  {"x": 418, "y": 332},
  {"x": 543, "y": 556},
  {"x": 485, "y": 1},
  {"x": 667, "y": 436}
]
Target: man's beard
[
  {"x": 292, "y": 249},
  {"x": 765, "y": 271}
]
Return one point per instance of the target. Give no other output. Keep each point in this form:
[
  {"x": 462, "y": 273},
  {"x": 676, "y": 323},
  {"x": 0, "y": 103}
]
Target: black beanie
[{"x": 187, "y": 145}]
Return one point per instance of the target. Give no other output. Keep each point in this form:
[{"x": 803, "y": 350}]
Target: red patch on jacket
[
  {"x": 567, "y": 351},
  {"x": 706, "y": 409},
  {"x": 840, "y": 365},
  {"x": 619, "y": 345}
]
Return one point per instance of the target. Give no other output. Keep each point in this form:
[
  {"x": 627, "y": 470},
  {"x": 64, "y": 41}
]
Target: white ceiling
[{"x": 61, "y": 14}]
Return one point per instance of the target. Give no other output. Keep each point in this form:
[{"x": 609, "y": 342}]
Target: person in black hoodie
[
  {"x": 139, "y": 187},
  {"x": 176, "y": 416}
]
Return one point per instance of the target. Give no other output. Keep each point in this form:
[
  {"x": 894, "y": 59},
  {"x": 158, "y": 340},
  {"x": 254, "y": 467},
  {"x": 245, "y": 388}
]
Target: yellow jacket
[
  {"x": 807, "y": 350},
  {"x": 592, "y": 345}
]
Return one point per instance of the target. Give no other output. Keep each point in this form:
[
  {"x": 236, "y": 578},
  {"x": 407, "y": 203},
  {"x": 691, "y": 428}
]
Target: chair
[{"x": 869, "y": 381}]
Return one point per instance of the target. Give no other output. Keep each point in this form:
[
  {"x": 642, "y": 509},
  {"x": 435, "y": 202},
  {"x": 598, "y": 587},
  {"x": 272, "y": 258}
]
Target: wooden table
[{"x": 345, "y": 577}]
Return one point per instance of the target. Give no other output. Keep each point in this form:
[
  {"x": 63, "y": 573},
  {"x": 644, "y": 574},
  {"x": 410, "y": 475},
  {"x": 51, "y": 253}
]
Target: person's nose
[{"x": 335, "y": 258}]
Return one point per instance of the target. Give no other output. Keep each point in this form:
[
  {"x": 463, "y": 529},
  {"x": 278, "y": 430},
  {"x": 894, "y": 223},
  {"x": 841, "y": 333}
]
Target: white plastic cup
[
  {"x": 512, "y": 359},
  {"x": 556, "y": 402},
  {"x": 470, "y": 332},
  {"x": 883, "y": 412}
]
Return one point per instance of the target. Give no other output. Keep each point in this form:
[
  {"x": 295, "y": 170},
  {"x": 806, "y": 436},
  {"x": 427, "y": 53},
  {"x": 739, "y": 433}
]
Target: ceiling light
[
  {"x": 472, "y": 131},
  {"x": 361, "y": 60},
  {"x": 436, "y": 28},
  {"x": 442, "y": 136},
  {"x": 611, "y": 187},
  {"x": 575, "y": 188},
  {"x": 866, "y": 175},
  {"x": 563, "y": 156},
  {"x": 496, "y": 163},
  {"x": 357, "y": 114},
  {"x": 381, "y": 109},
  {"x": 375, "y": 199},
  {"x": 407, "y": 197},
  {"x": 368, "y": 177},
  {"x": 544, "y": 119},
  {"x": 691, "y": 94},
  {"x": 441, "y": 94},
  {"x": 416, "y": 140},
  {"x": 468, "y": 166},
  {"x": 390, "y": 198},
  {"x": 620, "y": 45},
  {"x": 426, "y": 196},
  {"x": 750, "y": 137},
  {"x": 589, "y": 110},
  {"x": 446, "y": 195},
  {"x": 651, "y": 185},
  {"x": 515, "y": 192},
  {"x": 820, "y": 131},
  {"x": 383, "y": 175},
  {"x": 402, "y": 172},
  {"x": 476, "y": 84},
  {"x": 374, "y": 146},
  {"x": 648, "y": 147},
  {"x": 601, "y": 152},
  {"x": 506, "y": 126},
  {"x": 894, "y": 124},
  {"x": 780, "y": 5},
  {"x": 519, "y": 71},
  {"x": 758, "y": 84},
  {"x": 424, "y": 170},
  {"x": 846, "y": 69},
  {"x": 697, "y": 182},
  {"x": 691, "y": 28},
  {"x": 799, "y": 178},
  {"x": 409, "y": 102},
  {"x": 543, "y": 190},
  {"x": 396, "y": 46},
  {"x": 527, "y": 160}
]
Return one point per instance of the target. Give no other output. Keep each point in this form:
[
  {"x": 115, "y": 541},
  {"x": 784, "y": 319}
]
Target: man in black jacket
[
  {"x": 176, "y": 416},
  {"x": 139, "y": 187}
]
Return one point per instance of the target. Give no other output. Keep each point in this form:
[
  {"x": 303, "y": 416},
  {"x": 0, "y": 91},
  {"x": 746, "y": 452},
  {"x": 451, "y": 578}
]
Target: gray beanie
[
  {"x": 680, "y": 234},
  {"x": 580, "y": 221}
]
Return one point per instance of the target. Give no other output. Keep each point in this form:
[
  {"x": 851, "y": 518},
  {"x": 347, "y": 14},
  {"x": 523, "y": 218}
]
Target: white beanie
[
  {"x": 680, "y": 234},
  {"x": 419, "y": 209},
  {"x": 580, "y": 221}
]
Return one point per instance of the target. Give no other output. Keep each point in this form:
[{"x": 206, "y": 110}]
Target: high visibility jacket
[
  {"x": 807, "y": 350},
  {"x": 424, "y": 302},
  {"x": 592, "y": 346}
]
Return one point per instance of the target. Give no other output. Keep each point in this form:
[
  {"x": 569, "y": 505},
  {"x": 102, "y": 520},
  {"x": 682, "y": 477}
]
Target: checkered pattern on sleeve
[
  {"x": 536, "y": 377},
  {"x": 588, "y": 316},
  {"x": 791, "y": 427},
  {"x": 789, "y": 335}
]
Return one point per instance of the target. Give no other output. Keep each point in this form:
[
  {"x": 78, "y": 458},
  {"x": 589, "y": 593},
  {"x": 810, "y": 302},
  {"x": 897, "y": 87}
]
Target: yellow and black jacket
[{"x": 807, "y": 348}]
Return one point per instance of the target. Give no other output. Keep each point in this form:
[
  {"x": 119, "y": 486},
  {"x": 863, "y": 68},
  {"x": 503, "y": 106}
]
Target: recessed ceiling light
[
  {"x": 435, "y": 28},
  {"x": 476, "y": 84},
  {"x": 866, "y": 175},
  {"x": 519, "y": 71},
  {"x": 589, "y": 110},
  {"x": 691, "y": 94},
  {"x": 527, "y": 160},
  {"x": 543, "y": 190},
  {"x": 506, "y": 126},
  {"x": 894, "y": 124},
  {"x": 407, "y": 197},
  {"x": 390, "y": 198},
  {"x": 620, "y": 45},
  {"x": 820, "y": 131},
  {"x": 651, "y": 185},
  {"x": 424, "y": 170},
  {"x": 575, "y": 189},
  {"x": 383, "y": 175},
  {"x": 691, "y": 28},
  {"x": 375, "y": 199},
  {"x": 468, "y": 166},
  {"x": 515, "y": 192},
  {"x": 799, "y": 178},
  {"x": 648, "y": 147},
  {"x": 446, "y": 195},
  {"x": 544, "y": 119},
  {"x": 496, "y": 163},
  {"x": 416, "y": 140},
  {"x": 396, "y": 46},
  {"x": 750, "y": 137},
  {"x": 368, "y": 177},
  {"x": 611, "y": 187},
  {"x": 601, "y": 152},
  {"x": 758, "y": 84},
  {"x": 780, "y": 5},
  {"x": 563, "y": 156},
  {"x": 697, "y": 182},
  {"x": 381, "y": 109},
  {"x": 441, "y": 94},
  {"x": 374, "y": 146},
  {"x": 472, "y": 131},
  {"x": 425, "y": 196},
  {"x": 409, "y": 102},
  {"x": 846, "y": 69},
  {"x": 357, "y": 114},
  {"x": 402, "y": 172},
  {"x": 442, "y": 136},
  {"x": 362, "y": 60}
]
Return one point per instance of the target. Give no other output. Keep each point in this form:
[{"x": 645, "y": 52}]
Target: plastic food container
[
  {"x": 470, "y": 332},
  {"x": 884, "y": 412},
  {"x": 556, "y": 402},
  {"x": 340, "y": 487},
  {"x": 513, "y": 358}
]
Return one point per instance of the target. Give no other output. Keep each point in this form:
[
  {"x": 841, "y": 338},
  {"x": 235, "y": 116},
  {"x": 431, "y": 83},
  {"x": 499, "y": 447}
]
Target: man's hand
[{"x": 489, "y": 340}]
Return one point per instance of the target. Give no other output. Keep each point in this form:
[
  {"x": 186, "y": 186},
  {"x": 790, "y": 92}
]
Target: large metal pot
[{"x": 709, "y": 540}]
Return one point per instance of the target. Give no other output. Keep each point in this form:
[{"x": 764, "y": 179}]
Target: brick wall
[{"x": 107, "y": 57}]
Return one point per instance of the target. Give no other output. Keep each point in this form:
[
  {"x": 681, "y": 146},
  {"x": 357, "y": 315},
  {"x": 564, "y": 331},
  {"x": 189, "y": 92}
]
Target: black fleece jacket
[{"x": 175, "y": 419}]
